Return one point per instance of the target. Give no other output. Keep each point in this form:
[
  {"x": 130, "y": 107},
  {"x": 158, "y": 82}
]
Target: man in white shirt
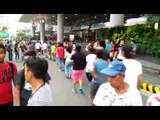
[
  {"x": 38, "y": 47},
  {"x": 116, "y": 92},
  {"x": 90, "y": 58},
  {"x": 44, "y": 48}
]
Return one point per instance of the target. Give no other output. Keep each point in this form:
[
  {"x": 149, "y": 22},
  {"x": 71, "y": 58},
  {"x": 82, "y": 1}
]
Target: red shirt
[
  {"x": 112, "y": 50},
  {"x": 6, "y": 95},
  {"x": 60, "y": 52}
]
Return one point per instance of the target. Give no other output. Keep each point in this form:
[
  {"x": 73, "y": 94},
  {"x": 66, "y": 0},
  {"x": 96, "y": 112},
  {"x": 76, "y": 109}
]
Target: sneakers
[
  {"x": 81, "y": 90},
  {"x": 68, "y": 77},
  {"x": 74, "y": 91}
]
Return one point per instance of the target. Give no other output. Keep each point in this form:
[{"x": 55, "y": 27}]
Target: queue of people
[{"x": 109, "y": 70}]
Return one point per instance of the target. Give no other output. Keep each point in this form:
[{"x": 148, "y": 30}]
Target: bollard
[{"x": 150, "y": 88}]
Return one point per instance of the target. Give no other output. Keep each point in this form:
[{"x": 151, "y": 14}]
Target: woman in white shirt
[
  {"x": 68, "y": 62},
  {"x": 90, "y": 59}
]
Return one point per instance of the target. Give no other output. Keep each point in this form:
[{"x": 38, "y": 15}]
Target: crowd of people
[{"x": 113, "y": 73}]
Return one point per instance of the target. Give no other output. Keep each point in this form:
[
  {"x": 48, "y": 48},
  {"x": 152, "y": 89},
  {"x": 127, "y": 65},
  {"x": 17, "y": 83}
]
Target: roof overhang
[
  {"x": 27, "y": 18},
  {"x": 71, "y": 19}
]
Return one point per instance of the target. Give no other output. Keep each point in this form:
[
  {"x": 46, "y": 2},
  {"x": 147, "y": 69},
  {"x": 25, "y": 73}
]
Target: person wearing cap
[
  {"x": 134, "y": 79},
  {"x": 116, "y": 92}
]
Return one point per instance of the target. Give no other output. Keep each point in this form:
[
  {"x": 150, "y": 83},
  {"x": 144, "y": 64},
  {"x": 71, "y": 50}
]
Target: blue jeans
[
  {"x": 57, "y": 61},
  {"x": 68, "y": 66},
  {"x": 61, "y": 63},
  {"x": 10, "y": 55},
  {"x": 17, "y": 56}
]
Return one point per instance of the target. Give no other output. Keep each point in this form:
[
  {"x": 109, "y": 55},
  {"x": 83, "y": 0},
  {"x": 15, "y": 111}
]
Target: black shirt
[{"x": 79, "y": 61}]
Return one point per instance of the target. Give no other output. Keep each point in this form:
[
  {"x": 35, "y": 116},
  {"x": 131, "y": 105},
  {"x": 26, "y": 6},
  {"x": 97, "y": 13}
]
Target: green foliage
[
  {"x": 3, "y": 29},
  {"x": 22, "y": 35},
  {"x": 148, "y": 40},
  {"x": 153, "y": 18}
]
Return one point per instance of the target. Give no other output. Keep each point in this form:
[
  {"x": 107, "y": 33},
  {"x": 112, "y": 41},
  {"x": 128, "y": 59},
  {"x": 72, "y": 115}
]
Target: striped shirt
[{"x": 41, "y": 97}]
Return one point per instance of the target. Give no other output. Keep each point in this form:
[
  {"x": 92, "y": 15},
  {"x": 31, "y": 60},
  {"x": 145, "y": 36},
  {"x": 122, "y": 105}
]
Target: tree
[
  {"x": 3, "y": 29},
  {"x": 152, "y": 19},
  {"x": 21, "y": 35}
]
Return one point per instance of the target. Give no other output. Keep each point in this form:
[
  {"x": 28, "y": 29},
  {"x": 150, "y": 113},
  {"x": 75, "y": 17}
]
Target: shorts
[
  {"x": 77, "y": 74},
  {"x": 94, "y": 89}
]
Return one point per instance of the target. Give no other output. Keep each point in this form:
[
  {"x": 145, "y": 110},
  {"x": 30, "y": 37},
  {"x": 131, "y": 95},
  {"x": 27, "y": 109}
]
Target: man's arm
[
  {"x": 14, "y": 73},
  {"x": 93, "y": 72},
  {"x": 140, "y": 81},
  {"x": 115, "y": 55},
  {"x": 17, "y": 95},
  {"x": 19, "y": 81}
]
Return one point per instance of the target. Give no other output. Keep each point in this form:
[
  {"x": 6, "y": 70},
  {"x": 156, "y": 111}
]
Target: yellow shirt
[
  {"x": 53, "y": 49},
  {"x": 64, "y": 44}
]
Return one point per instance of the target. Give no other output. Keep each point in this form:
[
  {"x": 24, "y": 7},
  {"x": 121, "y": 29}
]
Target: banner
[{"x": 4, "y": 35}]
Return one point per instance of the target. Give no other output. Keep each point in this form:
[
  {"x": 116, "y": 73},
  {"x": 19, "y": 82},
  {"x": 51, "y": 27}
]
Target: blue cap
[{"x": 114, "y": 68}]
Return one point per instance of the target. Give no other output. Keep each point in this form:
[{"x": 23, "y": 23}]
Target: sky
[{"x": 11, "y": 21}]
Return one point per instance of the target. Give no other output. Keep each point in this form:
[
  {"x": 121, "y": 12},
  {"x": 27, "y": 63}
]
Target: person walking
[
  {"x": 41, "y": 93},
  {"x": 98, "y": 78},
  {"x": 8, "y": 71},
  {"x": 79, "y": 63},
  {"x": 24, "y": 89}
]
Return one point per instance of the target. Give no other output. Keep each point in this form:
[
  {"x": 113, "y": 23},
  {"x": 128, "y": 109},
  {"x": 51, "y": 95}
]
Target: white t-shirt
[
  {"x": 120, "y": 55},
  {"x": 37, "y": 45},
  {"x": 106, "y": 96},
  {"x": 68, "y": 56},
  {"x": 41, "y": 97},
  {"x": 133, "y": 69},
  {"x": 90, "y": 59},
  {"x": 44, "y": 46}
]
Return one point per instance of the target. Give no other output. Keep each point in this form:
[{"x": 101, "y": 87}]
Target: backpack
[
  {"x": 9, "y": 48},
  {"x": 12, "y": 68}
]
